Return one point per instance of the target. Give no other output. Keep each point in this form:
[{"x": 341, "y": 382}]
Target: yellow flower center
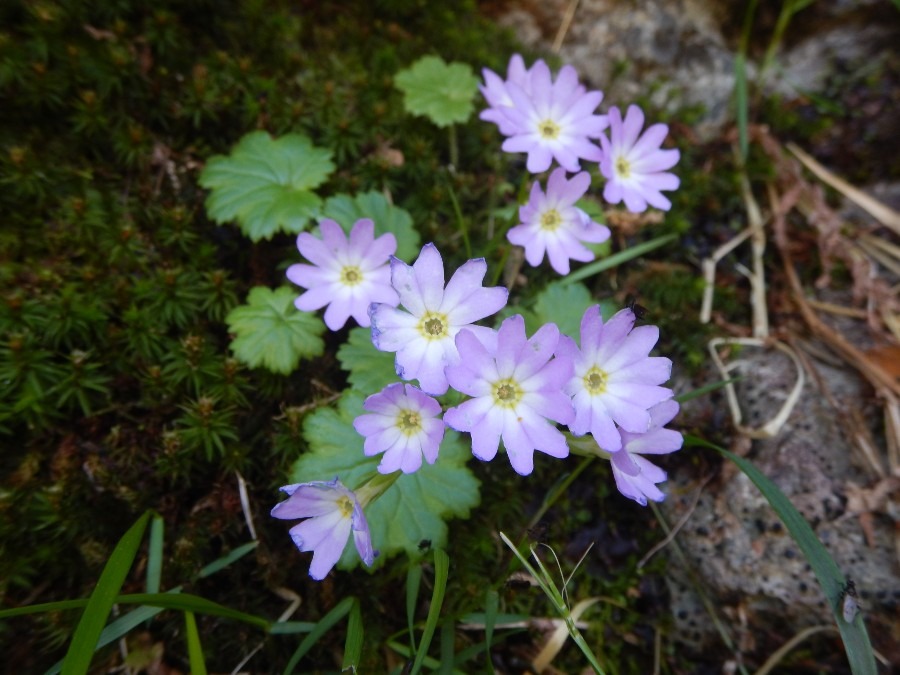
[
  {"x": 550, "y": 220},
  {"x": 549, "y": 130},
  {"x": 595, "y": 381},
  {"x": 623, "y": 167},
  {"x": 409, "y": 422},
  {"x": 434, "y": 326},
  {"x": 351, "y": 275},
  {"x": 507, "y": 393},
  {"x": 345, "y": 506}
]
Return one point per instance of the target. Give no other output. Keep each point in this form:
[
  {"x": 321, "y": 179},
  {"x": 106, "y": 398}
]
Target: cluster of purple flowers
[
  {"x": 519, "y": 389},
  {"x": 557, "y": 121}
]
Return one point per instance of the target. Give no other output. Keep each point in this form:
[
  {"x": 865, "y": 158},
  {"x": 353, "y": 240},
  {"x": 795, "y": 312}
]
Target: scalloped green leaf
[
  {"x": 267, "y": 185},
  {"x": 414, "y": 508},
  {"x": 437, "y": 90},
  {"x": 270, "y": 332},
  {"x": 370, "y": 370},
  {"x": 388, "y": 218}
]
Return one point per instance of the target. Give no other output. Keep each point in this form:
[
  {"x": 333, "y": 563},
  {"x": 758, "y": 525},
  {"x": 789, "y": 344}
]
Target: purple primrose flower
[
  {"x": 347, "y": 275},
  {"x": 615, "y": 379},
  {"x": 552, "y": 223},
  {"x": 515, "y": 391},
  {"x": 635, "y": 167},
  {"x": 549, "y": 120},
  {"x": 422, "y": 336},
  {"x": 332, "y": 512},
  {"x": 635, "y": 477},
  {"x": 404, "y": 424}
]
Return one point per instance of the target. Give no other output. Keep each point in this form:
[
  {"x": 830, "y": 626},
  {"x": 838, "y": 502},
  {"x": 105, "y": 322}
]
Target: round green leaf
[
  {"x": 266, "y": 184},
  {"x": 439, "y": 91},
  {"x": 270, "y": 332}
]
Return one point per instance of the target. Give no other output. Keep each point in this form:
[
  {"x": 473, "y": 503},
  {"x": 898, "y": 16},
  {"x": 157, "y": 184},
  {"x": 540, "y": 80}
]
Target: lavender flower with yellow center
[
  {"x": 423, "y": 335},
  {"x": 550, "y": 120},
  {"x": 634, "y": 164},
  {"x": 615, "y": 380},
  {"x": 516, "y": 389},
  {"x": 552, "y": 224},
  {"x": 404, "y": 424},
  {"x": 332, "y": 513},
  {"x": 347, "y": 275}
]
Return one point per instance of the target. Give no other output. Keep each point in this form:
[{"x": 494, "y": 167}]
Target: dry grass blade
[
  {"x": 778, "y": 656},
  {"x": 881, "y": 212}
]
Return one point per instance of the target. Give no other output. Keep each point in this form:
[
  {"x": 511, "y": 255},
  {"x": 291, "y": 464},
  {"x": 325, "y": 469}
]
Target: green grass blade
[
  {"x": 491, "y": 605},
  {"x": 322, "y": 626},
  {"x": 413, "y": 583},
  {"x": 226, "y": 560},
  {"x": 448, "y": 633},
  {"x": 87, "y": 632},
  {"x": 701, "y": 391},
  {"x": 292, "y": 627},
  {"x": 441, "y": 572},
  {"x": 831, "y": 579},
  {"x": 618, "y": 258},
  {"x": 58, "y": 606},
  {"x": 195, "y": 650},
  {"x": 155, "y": 554},
  {"x": 186, "y": 602},
  {"x": 354, "y": 643}
]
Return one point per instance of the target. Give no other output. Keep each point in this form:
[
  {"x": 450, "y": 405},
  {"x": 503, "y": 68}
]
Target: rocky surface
[{"x": 682, "y": 52}]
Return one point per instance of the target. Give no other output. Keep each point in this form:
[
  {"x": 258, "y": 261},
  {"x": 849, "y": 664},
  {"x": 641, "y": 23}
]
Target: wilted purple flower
[
  {"x": 423, "y": 335},
  {"x": 332, "y": 512},
  {"x": 347, "y": 276},
  {"x": 615, "y": 381},
  {"x": 404, "y": 425},
  {"x": 515, "y": 391},
  {"x": 552, "y": 223},
  {"x": 545, "y": 118},
  {"x": 636, "y": 478},
  {"x": 635, "y": 168}
]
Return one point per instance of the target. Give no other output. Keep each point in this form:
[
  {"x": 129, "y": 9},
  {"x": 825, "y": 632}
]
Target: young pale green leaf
[
  {"x": 266, "y": 184},
  {"x": 388, "y": 218},
  {"x": 439, "y": 91},
  {"x": 270, "y": 332},
  {"x": 414, "y": 508},
  {"x": 370, "y": 369}
]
